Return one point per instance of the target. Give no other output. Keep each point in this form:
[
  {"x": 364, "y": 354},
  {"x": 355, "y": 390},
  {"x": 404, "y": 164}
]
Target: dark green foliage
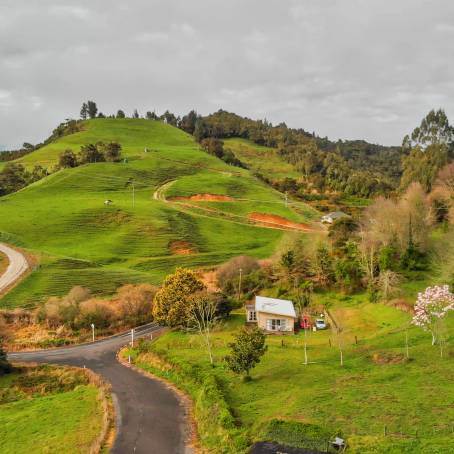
[
  {"x": 341, "y": 231},
  {"x": 422, "y": 165},
  {"x": 433, "y": 130},
  {"x": 84, "y": 111},
  {"x": 388, "y": 258},
  {"x": 246, "y": 350},
  {"x": 288, "y": 260},
  {"x": 323, "y": 266},
  {"x": 5, "y": 366},
  {"x": 14, "y": 177},
  {"x": 135, "y": 114},
  {"x": 92, "y": 109},
  {"x": 352, "y": 167},
  {"x": 428, "y": 149},
  {"x": 67, "y": 159},
  {"x": 121, "y": 114},
  {"x": 215, "y": 147},
  {"x": 90, "y": 154},
  {"x": 348, "y": 270},
  {"x": 189, "y": 121},
  {"x": 111, "y": 151},
  {"x": 169, "y": 118},
  {"x": 151, "y": 116}
]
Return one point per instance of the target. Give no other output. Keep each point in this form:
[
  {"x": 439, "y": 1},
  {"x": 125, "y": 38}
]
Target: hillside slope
[{"x": 81, "y": 241}]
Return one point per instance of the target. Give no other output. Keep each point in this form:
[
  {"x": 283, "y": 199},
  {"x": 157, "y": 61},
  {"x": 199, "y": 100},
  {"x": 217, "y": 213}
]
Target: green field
[
  {"x": 376, "y": 391},
  {"x": 80, "y": 241},
  {"x": 261, "y": 159},
  {"x": 379, "y": 400},
  {"x": 47, "y": 411}
]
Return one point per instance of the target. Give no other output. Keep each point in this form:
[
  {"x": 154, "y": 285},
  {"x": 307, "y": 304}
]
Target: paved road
[
  {"x": 17, "y": 266},
  {"x": 150, "y": 419}
]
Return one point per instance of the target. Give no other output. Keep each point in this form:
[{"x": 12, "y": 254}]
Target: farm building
[
  {"x": 272, "y": 315},
  {"x": 330, "y": 218}
]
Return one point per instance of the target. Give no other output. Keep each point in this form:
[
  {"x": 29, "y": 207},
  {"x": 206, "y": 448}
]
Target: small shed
[
  {"x": 272, "y": 315},
  {"x": 330, "y": 218}
]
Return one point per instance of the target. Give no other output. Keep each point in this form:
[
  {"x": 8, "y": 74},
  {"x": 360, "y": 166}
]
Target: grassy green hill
[
  {"x": 261, "y": 159},
  {"x": 80, "y": 241}
]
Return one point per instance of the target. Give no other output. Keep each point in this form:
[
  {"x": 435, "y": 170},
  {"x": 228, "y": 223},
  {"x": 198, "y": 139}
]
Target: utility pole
[
  {"x": 133, "y": 195},
  {"x": 132, "y": 337},
  {"x": 305, "y": 346},
  {"x": 286, "y": 199},
  {"x": 93, "y": 332},
  {"x": 239, "y": 284},
  {"x": 406, "y": 344}
]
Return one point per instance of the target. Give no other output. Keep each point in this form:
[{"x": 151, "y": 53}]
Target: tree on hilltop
[
  {"x": 84, "y": 111},
  {"x": 67, "y": 159},
  {"x": 151, "y": 115},
  {"x": 120, "y": 114},
  {"x": 92, "y": 109},
  {"x": 90, "y": 153},
  {"x": 188, "y": 122}
]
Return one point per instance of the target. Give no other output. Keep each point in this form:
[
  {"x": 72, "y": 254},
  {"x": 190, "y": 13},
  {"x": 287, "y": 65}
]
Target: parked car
[{"x": 320, "y": 323}]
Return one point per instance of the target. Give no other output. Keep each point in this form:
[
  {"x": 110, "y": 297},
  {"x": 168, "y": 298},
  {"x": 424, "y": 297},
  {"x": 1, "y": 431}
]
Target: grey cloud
[{"x": 343, "y": 68}]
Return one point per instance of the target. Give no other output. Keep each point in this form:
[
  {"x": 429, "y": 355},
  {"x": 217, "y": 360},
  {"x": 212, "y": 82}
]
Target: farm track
[{"x": 192, "y": 208}]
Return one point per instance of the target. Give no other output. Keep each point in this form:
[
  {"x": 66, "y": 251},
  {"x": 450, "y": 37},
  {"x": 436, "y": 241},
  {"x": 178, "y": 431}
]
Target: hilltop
[{"x": 173, "y": 204}]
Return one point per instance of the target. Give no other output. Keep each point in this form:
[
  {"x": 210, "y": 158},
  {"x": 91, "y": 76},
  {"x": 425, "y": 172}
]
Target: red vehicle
[{"x": 306, "y": 322}]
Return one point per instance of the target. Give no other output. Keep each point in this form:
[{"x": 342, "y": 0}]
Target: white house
[{"x": 271, "y": 314}]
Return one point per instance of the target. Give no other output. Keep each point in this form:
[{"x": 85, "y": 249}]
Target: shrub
[
  {"x": 171, "y": 301},
  {"x": 134, "y": 303},
  {"x": 247, "y": 350},
  {"x": 228, "y": 274},
  {"x": 95, "y": 311}
]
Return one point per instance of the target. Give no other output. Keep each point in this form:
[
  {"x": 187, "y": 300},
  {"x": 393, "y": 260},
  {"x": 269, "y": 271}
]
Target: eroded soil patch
[
  {"x": 274, "y": 221},
  {"x": 204, "y": 198},
  {"x": 180, "y": 247}
]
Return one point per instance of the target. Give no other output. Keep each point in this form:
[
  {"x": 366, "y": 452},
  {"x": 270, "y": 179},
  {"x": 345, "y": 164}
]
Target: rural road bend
[
  {"x": 150, "y": 418},
  {"x": 17, "y": 266}
]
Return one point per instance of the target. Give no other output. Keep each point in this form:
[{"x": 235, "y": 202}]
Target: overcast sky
[{"x": 342, "y": 68}]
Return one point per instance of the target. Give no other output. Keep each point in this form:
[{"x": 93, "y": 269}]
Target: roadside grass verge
[{"x": 50, "y": 409}]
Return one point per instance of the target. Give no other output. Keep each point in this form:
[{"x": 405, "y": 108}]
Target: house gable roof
[{"x": 274, "y": 306}]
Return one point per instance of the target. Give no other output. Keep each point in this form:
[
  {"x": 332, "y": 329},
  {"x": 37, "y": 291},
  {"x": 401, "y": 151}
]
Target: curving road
[
  {"x": 149, "y": 416},
  {"x": 18, "y": 265}
]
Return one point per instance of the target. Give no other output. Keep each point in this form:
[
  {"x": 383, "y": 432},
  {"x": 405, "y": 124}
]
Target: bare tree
[
  {"x": 388, "y": 284},
  {"x": 202, "y": 317}
]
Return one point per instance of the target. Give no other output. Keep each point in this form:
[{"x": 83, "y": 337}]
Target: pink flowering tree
[{"x": 431, "y": 308}]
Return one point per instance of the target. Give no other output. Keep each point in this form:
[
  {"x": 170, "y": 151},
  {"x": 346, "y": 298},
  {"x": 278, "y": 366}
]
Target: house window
[
  {"x": 252, "y": 316},
  {"x": 276, "y": 324}
]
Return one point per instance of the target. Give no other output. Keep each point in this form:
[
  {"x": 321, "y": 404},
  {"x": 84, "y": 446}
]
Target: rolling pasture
[{"x": 79, "y": 240}]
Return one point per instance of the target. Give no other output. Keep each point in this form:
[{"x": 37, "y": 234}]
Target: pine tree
[
  {"x": 84, "y": 111},
  {"x": 92, "y": 109}
]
